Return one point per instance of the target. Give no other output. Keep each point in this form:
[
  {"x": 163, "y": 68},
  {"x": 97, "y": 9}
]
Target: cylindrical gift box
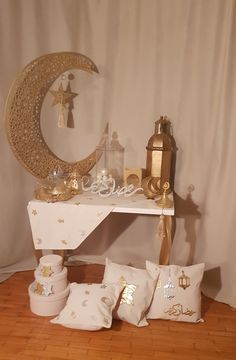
[
  {"x": 50, "y": 285},
  {"x": 47, "y": 305},
  {"x": 49, "y": 265}
]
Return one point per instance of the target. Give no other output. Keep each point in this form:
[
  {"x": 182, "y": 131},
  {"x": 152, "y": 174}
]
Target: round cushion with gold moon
[{"x": 23, "y": 108}]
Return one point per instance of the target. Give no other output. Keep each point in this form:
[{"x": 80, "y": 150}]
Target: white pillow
[
  {"x": 89, "y": 306},
  {"x": 137, "y": 294},
  {"x": 178, "y": 294}
]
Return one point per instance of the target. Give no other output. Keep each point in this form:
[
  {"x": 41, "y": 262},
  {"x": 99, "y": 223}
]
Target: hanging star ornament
[{"x": 61, "y": 96}]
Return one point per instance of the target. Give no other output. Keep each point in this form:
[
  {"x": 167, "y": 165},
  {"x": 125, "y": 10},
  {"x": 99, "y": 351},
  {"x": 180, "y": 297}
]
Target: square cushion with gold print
[
  {"x": 178, "y": 295},
  {"x": 137, "y": 294},
  {"x": 89, "y": 306}
]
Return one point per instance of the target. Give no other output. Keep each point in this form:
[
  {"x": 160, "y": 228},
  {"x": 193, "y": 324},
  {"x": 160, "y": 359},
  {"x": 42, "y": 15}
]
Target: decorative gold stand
[{"x": 164, "y": 202}]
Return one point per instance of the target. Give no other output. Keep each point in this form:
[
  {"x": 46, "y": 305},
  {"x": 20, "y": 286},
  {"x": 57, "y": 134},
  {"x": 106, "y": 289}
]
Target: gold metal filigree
[{"x": 23, "y": 108}]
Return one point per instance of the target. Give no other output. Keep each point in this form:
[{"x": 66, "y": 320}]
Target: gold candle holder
[{"x": 164, "y": 201}]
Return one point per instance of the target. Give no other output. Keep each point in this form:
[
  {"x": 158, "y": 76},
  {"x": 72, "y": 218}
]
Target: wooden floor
[{"x": 25, "y": 336}]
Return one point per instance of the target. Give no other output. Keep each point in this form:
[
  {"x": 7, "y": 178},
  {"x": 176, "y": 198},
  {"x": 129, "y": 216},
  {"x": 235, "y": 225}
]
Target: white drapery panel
[{"x": 169, "y": 57}]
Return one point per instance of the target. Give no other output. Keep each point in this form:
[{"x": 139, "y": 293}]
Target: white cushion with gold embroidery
[
  {"x": 89, "y": 306},
  {"x": 178, "y": 295},
  {"x": 137, "y": 294}
]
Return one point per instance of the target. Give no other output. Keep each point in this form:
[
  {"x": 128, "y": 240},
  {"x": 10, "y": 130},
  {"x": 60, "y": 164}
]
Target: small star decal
[
  {"x": 34, "y": 212},
  {"x": 60, "y": 220},
  {"x": 46, "y": 271},
  {"x": 73, "y": 314},
  {"x": 38, "y": 289}
]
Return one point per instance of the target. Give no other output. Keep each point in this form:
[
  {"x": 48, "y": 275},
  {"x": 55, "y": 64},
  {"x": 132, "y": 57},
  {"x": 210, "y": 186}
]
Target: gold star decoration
[
  {"x": 64, "y": 242},
  {"x": 43, "y": 289},
  {"x": 38, "y": 289},
  {"x": 61, "y": 96},
  {"x": 34, "y": 212},
  {"x": 46, "y": 271}
]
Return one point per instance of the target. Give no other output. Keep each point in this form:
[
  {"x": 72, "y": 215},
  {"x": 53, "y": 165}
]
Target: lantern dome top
[{"x": 161, "y": 139}]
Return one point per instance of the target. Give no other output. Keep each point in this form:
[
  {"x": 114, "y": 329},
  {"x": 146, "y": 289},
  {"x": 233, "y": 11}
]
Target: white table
[{"x": 65, "y": 225}]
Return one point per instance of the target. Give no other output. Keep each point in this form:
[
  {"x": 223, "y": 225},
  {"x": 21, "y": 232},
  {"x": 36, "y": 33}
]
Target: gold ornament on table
[
  {"x": 164, "y": 201},
  {"x": 133, "y": 176},
  {"x": 159, "y": 157},
  {"x": 74, "y": 182},
  {"x": 62, "y": 98},
  {"x": 54, "y": 188}
]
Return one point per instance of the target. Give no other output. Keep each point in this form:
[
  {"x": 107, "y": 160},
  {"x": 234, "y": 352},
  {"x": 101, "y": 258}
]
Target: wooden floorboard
[{"x": 25, "y": 336}]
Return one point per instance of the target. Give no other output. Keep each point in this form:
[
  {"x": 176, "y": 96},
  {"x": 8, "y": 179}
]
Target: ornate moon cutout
[{"x": 23, "y": 109}]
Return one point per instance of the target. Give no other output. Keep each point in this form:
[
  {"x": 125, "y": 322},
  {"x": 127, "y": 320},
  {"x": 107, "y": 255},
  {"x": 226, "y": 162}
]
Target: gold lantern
[
  {"x": 184, "y": 281},
  {"x": 159, "y": 156}
]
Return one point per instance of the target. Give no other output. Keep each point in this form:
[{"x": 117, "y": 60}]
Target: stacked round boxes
[{"x": 49, "y": 292}]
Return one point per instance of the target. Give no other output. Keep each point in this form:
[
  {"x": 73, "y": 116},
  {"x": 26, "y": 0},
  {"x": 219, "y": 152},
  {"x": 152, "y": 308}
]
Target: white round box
[
  {"x": 53, "y": 284},
  {"x": 47, "y": 305},
  {"x": 50, "y": 265}
]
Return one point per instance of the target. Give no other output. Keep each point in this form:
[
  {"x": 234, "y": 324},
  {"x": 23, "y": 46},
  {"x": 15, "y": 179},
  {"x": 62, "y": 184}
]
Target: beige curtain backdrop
[{"x": 155, "y": 57}]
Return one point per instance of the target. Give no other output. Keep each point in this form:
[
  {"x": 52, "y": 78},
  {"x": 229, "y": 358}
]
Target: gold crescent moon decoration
[{"x": 23, "y": 108}]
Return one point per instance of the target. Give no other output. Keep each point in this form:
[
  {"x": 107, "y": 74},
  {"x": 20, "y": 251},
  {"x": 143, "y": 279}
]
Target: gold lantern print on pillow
[{"x": 159, "y": 157}]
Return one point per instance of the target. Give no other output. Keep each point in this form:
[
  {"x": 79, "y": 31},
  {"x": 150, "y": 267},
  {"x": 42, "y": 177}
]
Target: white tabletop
[
  {"x": 135, "y": 204},
  {"x": 65, "y": 225}
]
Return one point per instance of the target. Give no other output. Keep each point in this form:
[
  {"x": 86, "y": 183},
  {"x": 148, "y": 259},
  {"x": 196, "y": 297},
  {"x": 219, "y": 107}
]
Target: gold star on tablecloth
[
  {"x": 60, "y": 220},
  {"x": 62, "y": 97},
  {"x": 34, "y": 212}
]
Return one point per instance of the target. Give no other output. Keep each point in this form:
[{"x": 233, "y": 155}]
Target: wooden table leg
[
  {"x": 166, "y": 242},
  {"x": 38, "y": 253},
  {"x": 61, "y": 252}
]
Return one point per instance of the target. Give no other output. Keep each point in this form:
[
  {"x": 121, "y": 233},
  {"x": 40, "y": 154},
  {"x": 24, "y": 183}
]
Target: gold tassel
[
  {"x": 161, "y": 230},
  {"x": 61, "y": 117}
]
